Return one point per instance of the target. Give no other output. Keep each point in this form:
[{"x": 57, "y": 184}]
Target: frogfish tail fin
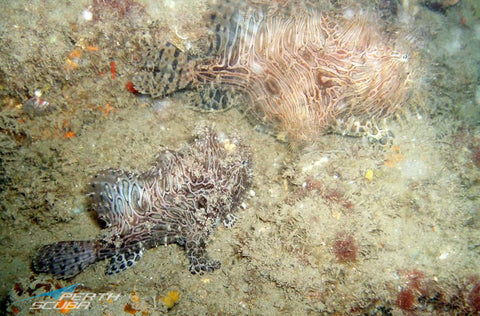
[{"x": 66, "y": 259}]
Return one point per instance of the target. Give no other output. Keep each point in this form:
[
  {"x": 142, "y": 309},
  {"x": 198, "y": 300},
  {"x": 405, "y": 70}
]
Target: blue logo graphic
[{"x": 54, "y": 294}]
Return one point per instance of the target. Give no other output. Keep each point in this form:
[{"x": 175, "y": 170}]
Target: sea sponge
[
  {"x": 345, "y": 247},
  {"x": 170, "y": 299}
]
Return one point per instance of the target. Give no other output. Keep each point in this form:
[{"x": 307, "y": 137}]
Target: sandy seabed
[{"x": 334, "y": 226}]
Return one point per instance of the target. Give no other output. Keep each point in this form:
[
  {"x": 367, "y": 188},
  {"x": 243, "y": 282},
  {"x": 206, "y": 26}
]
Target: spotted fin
[
  {"x": 198, "y": 257},
  {"x": 124, "y": 260},
  {"x": 66, "y": 259},
  {"x": 211, "y": 98},
  {"x": 375, "y": 132},
  {"x": 163, "y": 71},
  {"x": 229, "y": 220}
]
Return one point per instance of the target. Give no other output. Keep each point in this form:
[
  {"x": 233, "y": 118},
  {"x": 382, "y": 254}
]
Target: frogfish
[{"x": 181, "y": 199}]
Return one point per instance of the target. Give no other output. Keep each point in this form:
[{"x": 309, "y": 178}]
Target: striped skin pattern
[
  {"x": 181, "y": 199},
  {"x": 304, "y": 72}
]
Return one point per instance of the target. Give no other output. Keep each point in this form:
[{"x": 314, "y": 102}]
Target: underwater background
[{"x": 333, "y": 222}]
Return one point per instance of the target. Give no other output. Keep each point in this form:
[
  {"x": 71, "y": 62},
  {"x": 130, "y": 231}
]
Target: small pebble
[{"x": 87, "y": 15}]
